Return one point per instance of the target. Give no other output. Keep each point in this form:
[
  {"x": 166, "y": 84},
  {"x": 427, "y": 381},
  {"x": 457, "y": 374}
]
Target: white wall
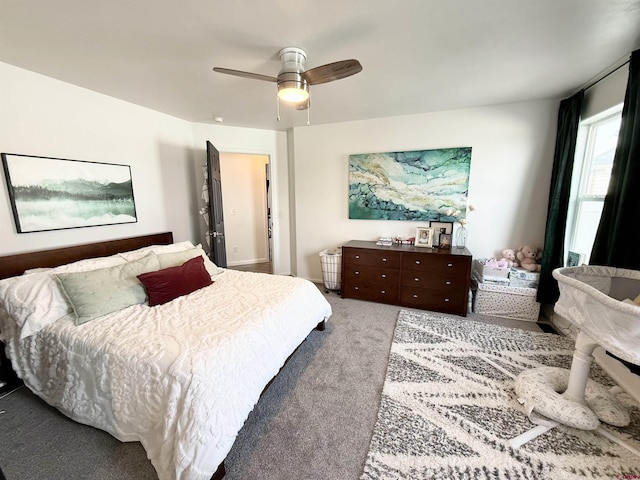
[
  {"x": 605, "y": 94},
  {"x": 244, "y": 191},
  {"x": 512, "y": 157},
  {"x": 45, "y": 117}
]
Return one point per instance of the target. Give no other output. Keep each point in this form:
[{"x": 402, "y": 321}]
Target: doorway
[{"x": 246, "y": 199}]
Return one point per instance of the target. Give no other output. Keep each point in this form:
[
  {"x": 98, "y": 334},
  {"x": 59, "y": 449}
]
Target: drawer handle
[
  {"x": 383, "y": 276},
  {"x": 357, "y": 256},
  {"x": 446, "y": 299},
  {"x": 447, "y": 283},
  {"x": 357, "y": 273},
  {"x": 384, "y": 259},
  {"x": 356, "y": 288},
  {"x": 449, "y": 264},
  {"x": 382, "y": 291},
  {"x": 417, "y": 262},
  {"x": 417, "y": 279},
  {"x": 415, "y": 296}
]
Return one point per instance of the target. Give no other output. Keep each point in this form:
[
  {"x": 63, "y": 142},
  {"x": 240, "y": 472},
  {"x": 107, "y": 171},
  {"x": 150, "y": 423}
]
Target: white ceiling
[{"x": 417, "y": 55}]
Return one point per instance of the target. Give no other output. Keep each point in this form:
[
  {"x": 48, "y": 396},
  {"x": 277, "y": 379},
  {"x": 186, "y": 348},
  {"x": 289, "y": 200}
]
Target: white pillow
[
  {"x": 36, "y": 300},
  {"x": 174, "y": 259},
  {"x": 90, "y": 264},
  {"x": 37, "y": 270},
  {"x": 33, "y": 301},
  {"x": 157, "y": 249}
]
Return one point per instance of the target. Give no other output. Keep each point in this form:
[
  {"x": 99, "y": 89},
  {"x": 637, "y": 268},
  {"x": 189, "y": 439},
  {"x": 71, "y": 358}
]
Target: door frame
[{"x": 273, "y": 188}]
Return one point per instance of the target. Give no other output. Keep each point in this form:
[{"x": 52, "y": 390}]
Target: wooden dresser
[{"x": 424, "y": 278}]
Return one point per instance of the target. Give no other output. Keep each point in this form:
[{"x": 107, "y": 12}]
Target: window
[{"x": 597, "y": 140}]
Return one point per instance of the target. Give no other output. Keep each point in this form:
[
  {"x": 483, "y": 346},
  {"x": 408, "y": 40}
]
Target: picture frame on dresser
[
  {"x": 437, "y": 230},
  {"x": 444, "y": 242},
  {"x": 424, "y": 237}
]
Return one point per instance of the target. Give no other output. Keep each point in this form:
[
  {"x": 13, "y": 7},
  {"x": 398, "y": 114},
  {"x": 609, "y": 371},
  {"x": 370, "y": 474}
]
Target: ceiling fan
[{"x": 293, "y": 80}]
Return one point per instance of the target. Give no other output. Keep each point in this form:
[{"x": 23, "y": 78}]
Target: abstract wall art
[
  {"x": 421, "y": 185},
  {"x": 54, "y": 193}
]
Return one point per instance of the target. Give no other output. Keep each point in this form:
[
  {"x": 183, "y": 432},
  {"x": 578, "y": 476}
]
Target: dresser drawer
[
  {"x": 372, "y": 293},
  {"x": 453, "y": 301},
  {"x": 366, "y": 275},
  {"x": 436, "y": 263},
  {"x": 442, "y": 282},
  {"x": 374, "y": 258}
]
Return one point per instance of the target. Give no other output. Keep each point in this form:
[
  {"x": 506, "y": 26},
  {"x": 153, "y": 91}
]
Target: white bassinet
[
  {"x": 599, "y": 302},
  {"x": 592, "y": 298}
]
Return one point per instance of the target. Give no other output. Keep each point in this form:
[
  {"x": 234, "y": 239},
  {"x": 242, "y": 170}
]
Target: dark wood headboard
[{"x": 12, "y": 265}]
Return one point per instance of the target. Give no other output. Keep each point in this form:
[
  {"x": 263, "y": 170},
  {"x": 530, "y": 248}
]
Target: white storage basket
[{"x": 331, "y": 263}]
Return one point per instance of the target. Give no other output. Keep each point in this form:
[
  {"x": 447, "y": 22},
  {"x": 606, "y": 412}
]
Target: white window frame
[{"x": 581, "y": 168}]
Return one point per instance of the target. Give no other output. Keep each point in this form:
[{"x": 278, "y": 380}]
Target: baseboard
[{"x": 247, "y": 262}]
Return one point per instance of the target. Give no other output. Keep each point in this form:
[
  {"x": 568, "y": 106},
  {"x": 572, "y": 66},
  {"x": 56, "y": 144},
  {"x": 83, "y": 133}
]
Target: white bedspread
[{"x": 182, "y": 377}]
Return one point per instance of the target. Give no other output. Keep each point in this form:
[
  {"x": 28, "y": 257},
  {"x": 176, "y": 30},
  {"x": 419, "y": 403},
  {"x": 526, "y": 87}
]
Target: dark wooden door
[{"x": 216, "y": 220}]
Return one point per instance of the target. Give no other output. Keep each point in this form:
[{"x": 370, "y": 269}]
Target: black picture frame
[
  {"x": 444, "y": 241},
  {"x": 437, "y": 230},
  {"x": 48, "y": 193}
]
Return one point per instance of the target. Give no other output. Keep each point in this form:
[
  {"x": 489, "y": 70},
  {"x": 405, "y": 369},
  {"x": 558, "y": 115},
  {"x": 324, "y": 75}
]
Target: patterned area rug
[{"x": 448, "y": 413}]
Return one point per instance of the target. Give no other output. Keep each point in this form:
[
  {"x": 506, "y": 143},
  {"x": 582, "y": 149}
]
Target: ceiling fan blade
[
  {"x": 332, "y": 71},
  {"x": 239, "y": 73}
]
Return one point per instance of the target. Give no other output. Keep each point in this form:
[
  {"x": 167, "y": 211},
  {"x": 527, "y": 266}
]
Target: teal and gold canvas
[{"x": 421, "y": 185}]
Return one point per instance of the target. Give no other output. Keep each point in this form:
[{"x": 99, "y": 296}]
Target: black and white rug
[{"x": 448, "y": 413}]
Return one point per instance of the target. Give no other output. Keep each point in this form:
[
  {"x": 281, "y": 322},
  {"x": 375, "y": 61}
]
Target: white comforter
[{"x": 182, "y": 377}]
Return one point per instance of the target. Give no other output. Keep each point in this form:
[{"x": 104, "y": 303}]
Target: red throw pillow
[{"x": 164, "y": 285}]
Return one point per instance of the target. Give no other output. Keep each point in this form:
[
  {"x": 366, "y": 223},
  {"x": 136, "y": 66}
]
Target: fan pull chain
[
  {"x": 309, "y": 112},
  {"x": 277, "y": 107}
]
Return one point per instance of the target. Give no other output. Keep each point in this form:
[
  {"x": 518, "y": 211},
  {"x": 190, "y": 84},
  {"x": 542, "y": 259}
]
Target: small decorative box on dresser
[{"x": 424, "y": 278}]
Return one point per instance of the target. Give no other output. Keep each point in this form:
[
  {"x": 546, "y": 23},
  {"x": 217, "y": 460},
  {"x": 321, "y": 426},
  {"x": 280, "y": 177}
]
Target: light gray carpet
[{"x": 314, "y": 422}]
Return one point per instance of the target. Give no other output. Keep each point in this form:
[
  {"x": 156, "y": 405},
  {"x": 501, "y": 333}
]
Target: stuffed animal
[
  {"x": 526, "y": 256},
  {"x": 509, "y": 258}
]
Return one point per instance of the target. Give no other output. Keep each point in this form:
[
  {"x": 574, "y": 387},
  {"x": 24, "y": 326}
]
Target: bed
[{"x": 181, "y": 376}]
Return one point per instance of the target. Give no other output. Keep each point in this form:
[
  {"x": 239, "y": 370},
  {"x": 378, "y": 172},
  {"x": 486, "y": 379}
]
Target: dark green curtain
[
  {"x": 615, "y": 244},
  {"x": 568, "y": 121}
]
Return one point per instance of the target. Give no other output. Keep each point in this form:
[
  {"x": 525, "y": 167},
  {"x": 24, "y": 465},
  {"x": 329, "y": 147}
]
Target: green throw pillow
[{"x": 95, "y": 293}]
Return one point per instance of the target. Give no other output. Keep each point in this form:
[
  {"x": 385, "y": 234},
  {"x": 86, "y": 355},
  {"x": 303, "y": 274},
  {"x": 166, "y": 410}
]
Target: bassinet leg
[{"x": 582, "y": 359}]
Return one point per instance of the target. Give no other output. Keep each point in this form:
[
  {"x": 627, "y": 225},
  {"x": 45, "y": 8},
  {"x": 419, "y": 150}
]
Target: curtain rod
[{"x": 601, "y": 76}]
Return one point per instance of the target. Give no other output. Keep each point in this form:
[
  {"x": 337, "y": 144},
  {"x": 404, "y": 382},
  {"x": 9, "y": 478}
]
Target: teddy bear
[
  {"x": 526, "y": 256},
  {"x": 509, "y": 258}
]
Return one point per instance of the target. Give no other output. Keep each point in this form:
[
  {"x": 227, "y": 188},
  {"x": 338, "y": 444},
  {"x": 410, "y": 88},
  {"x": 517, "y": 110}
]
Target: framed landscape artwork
[
  {"x": 55, "y": 194},
  {"x": 421, "y": 185}
]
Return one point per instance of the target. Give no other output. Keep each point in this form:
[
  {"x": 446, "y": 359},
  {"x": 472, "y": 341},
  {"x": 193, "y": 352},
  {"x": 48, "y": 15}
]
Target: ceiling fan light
[{"x": 293, "y": 91}]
